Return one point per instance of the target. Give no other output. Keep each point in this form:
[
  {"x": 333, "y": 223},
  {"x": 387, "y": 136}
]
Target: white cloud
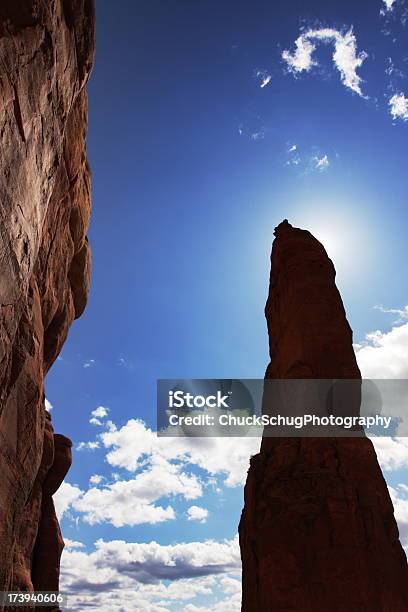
[
  {"x": 345, "y": 56},
  {"x": 89, "y": 363},
  {"x": 258, "y": 135},
  {"x": 121, "y": 575},
  {"x": 196, "y": 513},
  {"x": 100, "y": 412},
  {"x": 73, "y": 544},
  {"x": 64, "y": 497},
  {"x": 96, "y": 479},
  {"x": 306, "y": 162},
  {"x": 392, "y": 453},
  {"x": 93, "y": 445},
  {"x": 162, "y": 469},
  {"x": 48, "y": 405},
  {"x": 321, "y": 163},
  {"x": 385, "y": 354},
  {"x": 133, "y": 442},
  {"x": 301, "y": 59},
  {"x": 132, "y": 502},
  {"x": 263, "y": 77},
  {"x": 399, "y": 106}
]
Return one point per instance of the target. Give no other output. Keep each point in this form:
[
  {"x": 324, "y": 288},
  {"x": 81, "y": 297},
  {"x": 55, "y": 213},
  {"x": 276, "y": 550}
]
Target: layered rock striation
[
  {"x": 46, "y": 50},
  {"x": 317, "y": 532}
]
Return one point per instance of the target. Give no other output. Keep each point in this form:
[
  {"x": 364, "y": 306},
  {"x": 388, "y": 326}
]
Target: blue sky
[{"x": 210, "y": 122}]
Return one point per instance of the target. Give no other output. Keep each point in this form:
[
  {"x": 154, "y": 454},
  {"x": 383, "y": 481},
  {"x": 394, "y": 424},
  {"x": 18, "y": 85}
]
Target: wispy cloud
[
  {"x": 258, "y": 135},
  {"x": 253, "y": 127},
  {"x": 263, "y": 77},
  {"x": 389, "y": 4},
  {"x": 345, "y": 57},
  {"x": 87, "y": 445},
  {"x": 321, "y": 163},
  {"x": 306, "y": 161},
  {"x": 89, "y": 363},
  {"x": 402, "y": 313},
  {"x": 394, "y": 13}
]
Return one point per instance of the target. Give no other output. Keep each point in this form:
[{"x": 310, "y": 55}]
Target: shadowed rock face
[
  {"x": 317, "y": 532},
  {"x": 46, "y": 48}
]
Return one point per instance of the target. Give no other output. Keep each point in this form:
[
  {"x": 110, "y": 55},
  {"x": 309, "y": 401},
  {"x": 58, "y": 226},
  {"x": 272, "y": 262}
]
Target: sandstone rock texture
[
  {"x": 46, "y": 51},
  {"x": 317, "y": 532}
]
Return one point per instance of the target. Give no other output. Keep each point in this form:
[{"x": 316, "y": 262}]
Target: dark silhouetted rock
[
  {"x": 317, "y": 532},
  {"x": 47, "y": 52}
]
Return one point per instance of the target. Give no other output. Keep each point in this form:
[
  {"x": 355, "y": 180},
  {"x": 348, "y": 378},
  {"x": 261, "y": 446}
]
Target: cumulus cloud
[
  {"x": 133, "y": 502},
  {"x": 398, "y": 104},
  {"x": 64, "y": 498},
  {"x": 99, "y": 413},
  {"x": 302, "y": 58},
  {"x": 196, "y": 513},
  {"x": 120, "y": 575},
  {"x": 345, "y": 57},
  {"x": 384, "y": 354},
  {"x": 132, "y": 443},
  {"x": 161, "y": 468},
  {"x": 96, "y": 479},
  {"x": 392, "y": 453}
]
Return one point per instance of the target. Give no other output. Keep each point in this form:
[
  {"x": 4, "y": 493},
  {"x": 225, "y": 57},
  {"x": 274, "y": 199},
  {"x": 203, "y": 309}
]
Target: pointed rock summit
[{"x": 317, "y": 532}]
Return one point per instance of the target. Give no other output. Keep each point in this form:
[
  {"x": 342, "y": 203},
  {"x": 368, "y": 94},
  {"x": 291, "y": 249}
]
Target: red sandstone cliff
[
  {"x": 46, "y": 50},
  {"x": 317, "y": 532}
]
